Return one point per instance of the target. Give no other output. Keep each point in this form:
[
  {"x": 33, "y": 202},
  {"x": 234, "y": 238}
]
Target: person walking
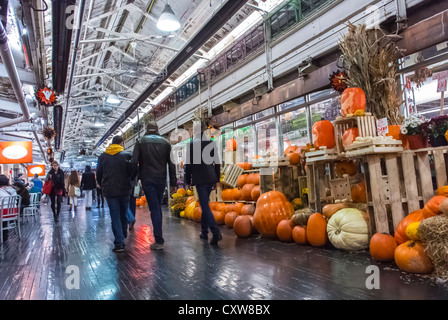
[
  {"x": 56, "y": 175},
  {"x": 114, "y": 177},
  {"x": 99, "y": 195},
  {"x": 73, "y": 185},
  {"x": 152, "y": 158},
  {"x": 88, "y": 184},
  {"x": 203, "y": 170}
]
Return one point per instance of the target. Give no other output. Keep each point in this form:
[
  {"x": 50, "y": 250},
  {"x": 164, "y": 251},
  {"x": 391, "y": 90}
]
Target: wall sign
[
  {"x": 38, "y": 169},
  {"x": 16, "y": 152}
]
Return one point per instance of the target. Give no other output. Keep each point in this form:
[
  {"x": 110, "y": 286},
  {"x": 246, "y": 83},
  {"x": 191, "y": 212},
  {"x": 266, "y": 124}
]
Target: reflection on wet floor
[{"x": 44, "y": 263}]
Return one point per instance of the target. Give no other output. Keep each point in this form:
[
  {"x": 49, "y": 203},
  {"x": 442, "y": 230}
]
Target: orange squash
[
  {"x": 231, "y": 145},
  {"x": 180, "y": 191},
  {"x": 227, "y": 195},
  {"x": 236, "y": 194},
  {"x": 189, "y": 200},
  {"x": 248, "y": 209},
  {"x": 411, "y": 257},
  {"x": 292, "y": 149},
  {"x": 442, "y": 191},
  {"x": 255, "y": 193},
  {"x": 316, "y": 230},
  {"x": 253, "y": 178},
  {"x": 272, "y": 207},
  {"x": 323, "y": 134},
  {"x": 246, "y": 192},
  {"x": 400, "y": 232},
  {"x": 197, "y": 214},
  {"x": 245, "y": 165},
  {"x": 241, "y": 180},
  {"x": 433, "y": 205},
  {"x": 352, "y": 99},
  {"x": 238, "y": 207},
  {"x": 359, "y": 192},
  {"x": 299, "y": 235},
  {"x": 230, "y": 219},
  {"x": 349, "y": 136},
  {"x": 242, "y": 226},
  {"x": 284, "y": 231},
  {"x": 219, "y": 216},
  {"x": 382, "y": 247},
  {"x": 294, "y": 158}
]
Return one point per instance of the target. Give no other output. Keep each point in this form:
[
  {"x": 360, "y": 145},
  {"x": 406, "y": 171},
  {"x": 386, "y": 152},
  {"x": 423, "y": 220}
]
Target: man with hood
[
  {"x": 114, "y": 178},
  {"x": 152, "y": 154}
]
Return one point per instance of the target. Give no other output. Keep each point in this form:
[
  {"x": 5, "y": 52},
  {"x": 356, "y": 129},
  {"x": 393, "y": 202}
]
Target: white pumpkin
[{"x": 348, "y": 230}]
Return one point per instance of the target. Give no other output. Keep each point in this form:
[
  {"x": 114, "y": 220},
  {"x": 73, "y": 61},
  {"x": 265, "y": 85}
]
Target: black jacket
[
  {"x": 150, "y": 158},
  {"x": 57, "y": 179},
  {"x": 88, "y": 181},
  {"x": 203, "y": 169},
  {"x": 113, "y": 174}
]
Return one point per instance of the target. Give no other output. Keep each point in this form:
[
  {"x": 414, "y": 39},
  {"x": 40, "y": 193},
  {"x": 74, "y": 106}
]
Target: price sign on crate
[{"x": 382, "y": 126}]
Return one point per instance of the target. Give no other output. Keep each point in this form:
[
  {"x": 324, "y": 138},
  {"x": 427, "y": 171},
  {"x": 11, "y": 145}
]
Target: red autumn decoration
[
  {"x": 46, "y": 96},
  {"x": 349, "y": 136},
  {"x": 352, "y": 99},
  {"x": 337, "y": 81},
  {"x": 382, "y": 247},
  {"x": 272, "y": 207},
  {"x": 323, "y": 134}
]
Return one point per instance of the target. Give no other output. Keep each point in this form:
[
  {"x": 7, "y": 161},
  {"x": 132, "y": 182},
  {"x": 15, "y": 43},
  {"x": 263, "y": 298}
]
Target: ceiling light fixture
[
  {"x": 167, "y": 20},
  {"x": 113, "y": 98}
]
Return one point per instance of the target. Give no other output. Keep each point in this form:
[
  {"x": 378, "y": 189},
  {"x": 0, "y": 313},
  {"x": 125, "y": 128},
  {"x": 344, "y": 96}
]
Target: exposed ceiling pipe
[
  {"x": 40, "y": 146},
  {"x": 11, "y": 69},
  {"x": 82, "y": 5}
]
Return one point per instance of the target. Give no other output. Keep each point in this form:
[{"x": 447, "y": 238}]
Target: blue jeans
[
  {"x": 118, "y": 208},
  {"x": 207, "y": 218},
  {"x": 154, "y": 190}
]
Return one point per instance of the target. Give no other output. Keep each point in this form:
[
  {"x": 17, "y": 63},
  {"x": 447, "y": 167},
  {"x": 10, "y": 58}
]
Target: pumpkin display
[
  {"x": 255, "y": 193},
  {"x": 323, "y": 134},
  {"x": 241, "y": 180},
  {"x": 346, "y": 167},
  {"x": 272, "y": 207},
  {"x": 246, "y": 191},
  {"x": 231, "y": 145},
  {"x": 411, "y": 257},
  {"x": 316, "y": 230},
  {"x": 230, "y": 219},
  {"x": 236, "y": 194},
  {"x": 227, "y": 195},
  {"x": 330, "y": 209},
  {"x": 197, "y": 214},
  {"x": 299, "y": 235},
  {"x": 284, "y": 231},
  {"x": 400, "y": 232},
  {"x": 294, "y": 158},
  {"x": 382, "y": 247},
  {"x": 242, "y": 226},
  {"x": 352, "y": 99},
  {"x": 248, "y": 209},
  {"x": 253, "y": 178},
  {"x": 349, "y": 136},
  {"x": 433, "y": 205},
  {"x": 412, "y": 231},
  {"x": 359, "y": 192},
  {"x": 348, "y": 230}
]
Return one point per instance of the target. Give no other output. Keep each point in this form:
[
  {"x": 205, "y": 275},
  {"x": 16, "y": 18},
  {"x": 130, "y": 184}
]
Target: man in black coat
[
  {"x": 152, "y": 154},
  {"x": 203, "y": 170},
  {"x": 114, "y": 178},
  {"x": 88, "y": 184}
]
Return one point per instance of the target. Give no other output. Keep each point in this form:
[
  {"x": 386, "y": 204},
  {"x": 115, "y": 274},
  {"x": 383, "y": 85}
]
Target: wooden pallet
[
  {"x": 366, "y": 128},
  {"x": 321, "y": 155},
  {"x": 375, "y": 146},
  {"x": 230, "y": 174},
  {"x": 271, "y": 162},
  {"x": 341, "y": 187}
]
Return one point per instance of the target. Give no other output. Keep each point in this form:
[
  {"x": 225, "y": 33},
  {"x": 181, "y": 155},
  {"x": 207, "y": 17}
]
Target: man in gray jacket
[{"x": 152, "y": 158}]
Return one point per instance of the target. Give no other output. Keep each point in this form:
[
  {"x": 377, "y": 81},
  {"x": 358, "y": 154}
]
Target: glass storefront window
[
  {"x": 267, "y": 137},
  {"x": 245, "y": 140},
  {"x": 264, "y": 113},
  {"x": 321, "y": 94},
  {"x": 291, "y": 104},
  {"x": 326, "y": 110},
  {"x": 226, "y": 134},
  {"x": 244, "y": 121},
  {"x": 294, "y": 128}
]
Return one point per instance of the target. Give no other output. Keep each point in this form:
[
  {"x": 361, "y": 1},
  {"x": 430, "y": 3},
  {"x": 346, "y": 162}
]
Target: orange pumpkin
[
  {"x": 359, "y": 192},
  {"x": 221, "y": 207},
  {"x": 284, "y": 230},
  {"x": 299, "y": 235},
  {"x": 352, "y": 99},
  {"x": 238, "y": 207},
  {"x": 197, "y": 214},
  {"x": 433, "y": 205},
  {"x": 294, "y": 158},
  {"x": 382, "y": 247},
  {"x": 241, "y": 180},
  {"x": 272, "y": 207},
  {"x": 219, "y": 216},
  {"x": 411, "y": 257},
  {"x": 231, "y": 145},
  {"x": 323, "y": 134},
  {"x": 212, "y": 205},
  {"x": 180, "y": 191},
  {"x": 253, "y": 178},
  {"x": 236, "y": 194},
  {"x": 189, "y": 200},
  {"x": 255, "y": 193},
  {"x": 292, "y": 149},
  {"x": 227, "y": 194},
  {"x": 316, "y": 230},
  {"x": 349, "y": 136},
  {"x": 442, "y": 191},
  {"x": 346, "y": 167},
  {"x": 246, "y": 192},
  {"x": 230, "y": 219},
  {"x": 400, "y": 232},
  {"x": 248, "y": 209},
  {"x": 245, "y": 165},
  {"x": 242, "y": 226}
]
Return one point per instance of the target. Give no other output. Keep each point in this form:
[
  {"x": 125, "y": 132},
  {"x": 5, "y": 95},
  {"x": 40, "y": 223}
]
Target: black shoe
[
  {"x": 216, "y": 238},
  {"x": 102, "y": 206},
  {"x": 203, "y": 237},
  {"x": 98, "y": 207},
  {"x": 119, "y": 248}
]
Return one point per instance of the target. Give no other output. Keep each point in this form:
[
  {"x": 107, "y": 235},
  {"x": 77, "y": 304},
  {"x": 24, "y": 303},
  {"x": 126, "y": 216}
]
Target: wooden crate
[
  {"x": 341, "y": 187},
  {"x": 216, "y": 195},
  {"x": 230, "y": 174},
  {"x": 271, "y": 162},
  {"x": 321, "y": 155},
  {"x": 366, "y": 127},
  {"x": 376, "y": 145},
  {"x": 284, "y": 179}
]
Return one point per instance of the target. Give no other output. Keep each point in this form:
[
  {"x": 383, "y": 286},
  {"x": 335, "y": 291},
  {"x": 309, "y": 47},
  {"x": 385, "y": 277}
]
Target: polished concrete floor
[{"x": 51, "y": 260}]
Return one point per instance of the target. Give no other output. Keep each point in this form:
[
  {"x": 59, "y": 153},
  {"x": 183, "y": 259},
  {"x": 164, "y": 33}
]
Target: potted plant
[
  {"x": 413, "y": 129},
  {"x": 435, "y": 130}
]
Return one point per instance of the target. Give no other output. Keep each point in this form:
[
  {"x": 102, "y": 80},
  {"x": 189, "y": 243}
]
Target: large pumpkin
[
  {"x": 272, "y": 207},
  {"x": 246, "y": 191},
  {"x": 400, "y": 233},
  {"x": 411, "y": 257},
  {"x": 316, "y": 230},
  {"x": 352, "y": 99},
  {"x": 359, "y": 192},
  {"x": 348, "y": 230},
  {"x": 349, "y": 136},
  {"x": 284, "y": 230},
  {"x": 219, "y": 216},
  {"x": 292, "y": 149},
  {"x": 231, "y": 145},
  {"x": 189, "y": 200},
  {"x": 382, "y": 247},
  {"x": 323, "y": 134},
  {"x": 433, "y": 205},
  {"x": 242, "y": 226}
]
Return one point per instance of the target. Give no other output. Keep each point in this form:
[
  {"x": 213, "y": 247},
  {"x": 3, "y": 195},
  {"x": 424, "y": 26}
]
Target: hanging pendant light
[{"x": 167, "y": 21}]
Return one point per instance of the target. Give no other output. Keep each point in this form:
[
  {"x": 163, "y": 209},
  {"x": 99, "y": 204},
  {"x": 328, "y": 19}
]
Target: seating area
[{"x": 12, "y": 216}]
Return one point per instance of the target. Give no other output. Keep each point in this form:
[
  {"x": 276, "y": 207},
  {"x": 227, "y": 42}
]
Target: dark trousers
[
  {"x": 132, "y": 205},
  {"x": 207, "y": 219},
  {"x": 100, "y": 197},
  {"x": 56, "y": 203},
  {"x": 118, "y": 207},
  {"x": 154, "y": 190}
]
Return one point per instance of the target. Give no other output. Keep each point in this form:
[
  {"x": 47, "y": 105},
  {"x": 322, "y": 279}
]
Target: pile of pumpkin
[
  {"x": 178, "y": 200},
  {"x": 248, "y": 188},
  {"x": 141, "y": 202}
]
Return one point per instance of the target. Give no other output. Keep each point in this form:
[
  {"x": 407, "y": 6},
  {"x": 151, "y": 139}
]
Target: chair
[
  {"x": 10, "y": 214},
  {"x": 33, "y": 208}
]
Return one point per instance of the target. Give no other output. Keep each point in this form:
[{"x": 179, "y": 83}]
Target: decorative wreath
[
  {"x": 48, "y": 133},
  {"x": 46, "y": 96},
  {"x": 337, "y": 81}
]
